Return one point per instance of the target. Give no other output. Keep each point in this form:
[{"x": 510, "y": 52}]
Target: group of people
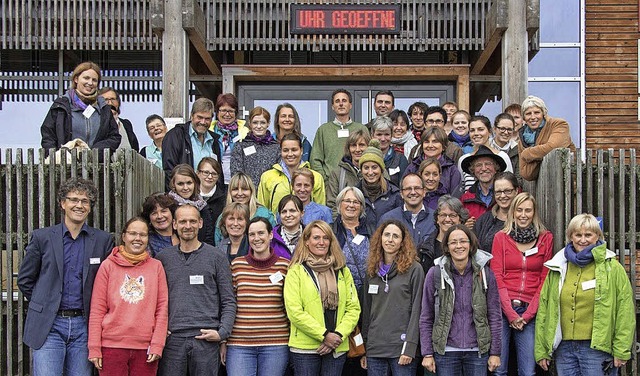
[{"x": 267, "y": 252}]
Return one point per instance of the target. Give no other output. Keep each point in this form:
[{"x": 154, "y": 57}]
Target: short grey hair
[
  {"x": 448, "y": 201},
  {"x": 359, "y": 196},
  {"x": 381, "y": 123},
  {"x": 533, "y": 101}
]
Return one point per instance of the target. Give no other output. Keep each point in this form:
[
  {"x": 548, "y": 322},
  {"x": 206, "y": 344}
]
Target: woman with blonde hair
[
  {"x": 392, "y": 302},
  {"x": 519, "y": 252},
  {"x": 321, "y": 301},
  {"x": 586, "y": 315},
  {"x": 241, "y": 189}
]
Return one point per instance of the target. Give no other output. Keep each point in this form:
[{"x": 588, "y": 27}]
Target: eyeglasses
[
  {"x": 458, "y": 242},
  {"x": 436, "y": 121},
  {"x": 213, "y": 174},
  {"x": 506, "y": 192},
  {"x": 225, "y": 111},
  {"x": 135, "y": 234},
  {"x": 504, "y": 130},
  {"x": 412, "y": 189},
  {"x": 450, "y": 216},
  {"x": 484, "y": 164},
  {"x": 76, "y": 201},
  {"x": 351, "y": 202}
]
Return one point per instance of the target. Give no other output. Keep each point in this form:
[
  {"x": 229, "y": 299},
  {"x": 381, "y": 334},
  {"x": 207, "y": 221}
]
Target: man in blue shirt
[
  {"x": 190, "y": 142},
  {"x": 56, "y": 277}
]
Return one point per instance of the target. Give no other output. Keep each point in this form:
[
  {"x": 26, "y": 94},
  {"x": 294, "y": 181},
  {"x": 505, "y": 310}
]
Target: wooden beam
[
  {"x": 175, "y": 64},
  {"x": 497, "y": 21},
  {"x": 194, "y": 23},
  {"x": 515, "y": 59}
]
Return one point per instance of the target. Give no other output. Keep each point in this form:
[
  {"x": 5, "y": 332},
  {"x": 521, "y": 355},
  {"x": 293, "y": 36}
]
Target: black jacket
[
  {"x": 218, "y": 200},
  {"x": 177, "y": 149},
  {"x": 429, "y": 250},
  {"x": 56, "y": 127}
]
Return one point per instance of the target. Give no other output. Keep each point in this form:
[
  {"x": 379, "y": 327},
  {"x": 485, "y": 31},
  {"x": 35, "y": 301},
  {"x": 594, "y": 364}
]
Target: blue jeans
[
  {"x": 257, "y": 360},
  {"x": 65, "y": 350},
  {"x": 577, "y": 358},
  {"x": 461, "y": 363},
  {"x": 523, "y": 341},
  {"x": 382, "y": 366},
  {"x": 317, "y": 365},
  {"x": 189, "y": 356}
]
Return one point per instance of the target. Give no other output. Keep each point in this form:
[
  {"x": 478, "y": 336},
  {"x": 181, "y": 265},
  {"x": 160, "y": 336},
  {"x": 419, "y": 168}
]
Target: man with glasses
[
  {"x": 483, "y": 165},
  {"x": 56, "y": 276},
  {"x": 413, "y": 213},
  {"x": 190, "y": 142},
  {"x": 436, "y": 117}
]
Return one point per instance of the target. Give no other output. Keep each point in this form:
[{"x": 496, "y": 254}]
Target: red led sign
[{"x": 345, "y": 19}]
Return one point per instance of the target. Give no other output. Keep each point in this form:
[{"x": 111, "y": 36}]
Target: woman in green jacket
[
  {"x": 586, "y": 314},
  {"x": 321, "y": 302}
]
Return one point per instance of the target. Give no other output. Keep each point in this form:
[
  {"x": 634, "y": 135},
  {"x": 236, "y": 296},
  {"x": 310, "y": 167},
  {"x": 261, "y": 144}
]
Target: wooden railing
[{"x": 28, "y": 188}]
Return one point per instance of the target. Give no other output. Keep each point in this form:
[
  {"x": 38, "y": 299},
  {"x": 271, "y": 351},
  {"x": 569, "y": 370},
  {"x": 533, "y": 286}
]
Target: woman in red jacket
[
  {"x": 129, "y": 308},
  {"x": 519, "y": 252}
]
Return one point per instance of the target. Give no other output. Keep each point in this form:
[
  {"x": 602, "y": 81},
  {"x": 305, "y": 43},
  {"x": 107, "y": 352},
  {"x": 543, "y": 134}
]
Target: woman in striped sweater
[{"x": 258, "y": 341}]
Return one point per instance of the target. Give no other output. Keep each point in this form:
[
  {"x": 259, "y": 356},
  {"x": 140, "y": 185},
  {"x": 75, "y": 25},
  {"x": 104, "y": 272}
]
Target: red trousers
[{"x": 120, "y": 362}]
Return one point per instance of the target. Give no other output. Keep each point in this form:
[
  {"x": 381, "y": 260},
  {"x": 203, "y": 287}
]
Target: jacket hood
[{"x": 117, "y": 258}]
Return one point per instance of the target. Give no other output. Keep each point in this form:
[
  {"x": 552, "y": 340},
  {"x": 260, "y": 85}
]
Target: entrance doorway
[{"x": 312, "y": 100}]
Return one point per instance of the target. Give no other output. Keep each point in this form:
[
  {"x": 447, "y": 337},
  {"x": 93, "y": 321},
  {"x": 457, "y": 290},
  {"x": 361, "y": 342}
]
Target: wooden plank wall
[{"x": 611, "y": 70}]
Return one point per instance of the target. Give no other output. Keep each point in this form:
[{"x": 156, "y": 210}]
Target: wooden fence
[{"x": 28, "y": 189}]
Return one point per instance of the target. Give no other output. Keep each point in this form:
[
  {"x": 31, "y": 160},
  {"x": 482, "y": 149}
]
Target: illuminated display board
[{"x": 345, "y": 19}]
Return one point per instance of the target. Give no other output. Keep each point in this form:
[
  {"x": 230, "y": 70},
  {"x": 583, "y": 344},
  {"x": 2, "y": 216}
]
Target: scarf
[
  {"x": 291, "y": 238},
  {"x": 417, "y": 134},
  {"x": 459, "y": 140},
  {"x": 266, "y": 139},
  {"x": 82, "y": 101},
  {"x": 326, "y": 280},
  {"x": 582, "y": 258},
  {"x": 529, "y": 136},
  {"x": 523, "y": 235},
  {"x": 372, "y": 191},
  {"x": 199, "y": 203},
  {"x": 134, "y": 259},
  {"x": 399, "y": 142},
  {"x": 229, "y": 131}
]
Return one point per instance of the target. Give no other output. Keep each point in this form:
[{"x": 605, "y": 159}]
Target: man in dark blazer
[{"x": 56, "y": 277}]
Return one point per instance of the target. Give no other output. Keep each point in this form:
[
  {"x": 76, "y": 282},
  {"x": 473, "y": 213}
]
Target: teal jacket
[
  {"x": 614, "y": 319},
  {"x": 305, "y": 312}
]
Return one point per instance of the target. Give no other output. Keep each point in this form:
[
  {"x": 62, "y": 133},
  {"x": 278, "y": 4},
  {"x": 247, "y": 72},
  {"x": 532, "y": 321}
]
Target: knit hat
[{"x": 372, "y": 154}]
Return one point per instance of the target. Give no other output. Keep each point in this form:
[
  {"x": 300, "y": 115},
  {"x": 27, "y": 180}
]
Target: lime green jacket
[
  {"x": 304, "y": 308},
  {"x": 274, "y": 185},
  {"x": 614, "y": 319}
]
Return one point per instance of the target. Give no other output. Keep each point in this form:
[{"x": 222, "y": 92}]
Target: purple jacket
[
  {"x": 449, "y": 178},
  {"x": 279, "y": 246},
  {"x": 462, "y": 333}
]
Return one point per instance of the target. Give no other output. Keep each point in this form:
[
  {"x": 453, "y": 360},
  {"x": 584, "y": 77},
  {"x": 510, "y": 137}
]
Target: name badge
[
  {"x": 358, "y": 339},
  {"x": 196, "y": 280},
  {"x": 88, "y": 111},
  {"x": 531, "y": 251},
  {"x": 94, "y": 260},
  {"x": 235, "y": 139},
  {"x": 276, "y": 277},
  {"x": 373, "y": 289},
  {"x": 343, "y": 133},
  {"x": 250, "y": 150},
  {"x": 588, "y": 285},
  {"x": 357, "y": 239},
  {"x": 393, "y": 171}
]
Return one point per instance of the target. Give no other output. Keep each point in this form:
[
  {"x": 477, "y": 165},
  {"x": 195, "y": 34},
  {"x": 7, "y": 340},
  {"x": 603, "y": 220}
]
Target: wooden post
[
  {"x": 515, "y": 52},
  {"x": 175, "y": 64}
]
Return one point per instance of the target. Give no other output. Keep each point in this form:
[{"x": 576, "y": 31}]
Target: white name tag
[
  {"x": 393, "y": 171},
  {"x": 196, "y": 280},
  {"x": 88, "y": 111},
  {"x": 373, "y": 289},
  {"x": 358, "y": 239},
  {"x": 343, "y": 133},
  {"x": 531, "y": 251},
  {"x": 94, "y": 260},
  {"x": 358, "y": 339},
  {"x": 588, "y": 285},
  {"x": 235, "y": 139},
  {"x": 276, "y": 277},
  {"x": 250, "y": 150}
]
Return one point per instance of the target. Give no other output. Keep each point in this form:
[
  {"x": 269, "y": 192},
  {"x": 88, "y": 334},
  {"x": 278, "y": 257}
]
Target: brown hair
[
  {"x": 473, "y": 241},
  {"x": 406, "y": 254},
  {"x": 185, "y": 170},
  {"x": 257, "y": 111},
  {"x": 233, "y": 208},
  {"x": 228, "y": 99},
  {"x": 303, "y": 172},
  {"x": 157, "y": 199},
  {"x": 82, "y": 67}
]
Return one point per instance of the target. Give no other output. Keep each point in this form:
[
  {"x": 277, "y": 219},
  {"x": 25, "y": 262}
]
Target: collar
[
  {"x": 341, "y": 124},
  {"x": 194, "y": 135},
  {"x": 84, "y": 229},
  {"x": 404, "y": 208}
]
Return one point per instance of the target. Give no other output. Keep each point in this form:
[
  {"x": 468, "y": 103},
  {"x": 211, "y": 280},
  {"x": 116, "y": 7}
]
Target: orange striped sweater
[{"x": 261, "y": 319}]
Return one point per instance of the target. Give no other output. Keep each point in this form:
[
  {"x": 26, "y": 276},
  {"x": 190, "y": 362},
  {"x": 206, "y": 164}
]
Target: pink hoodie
[{"x": 129, "y": 306}]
